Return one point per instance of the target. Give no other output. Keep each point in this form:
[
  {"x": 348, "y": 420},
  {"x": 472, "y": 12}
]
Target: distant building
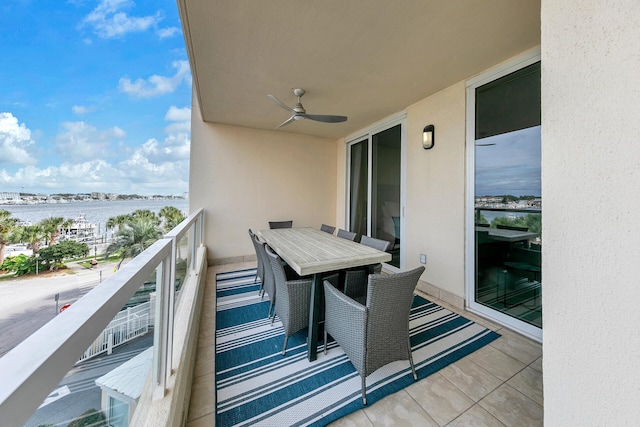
[{"x": 10, "y": 198}]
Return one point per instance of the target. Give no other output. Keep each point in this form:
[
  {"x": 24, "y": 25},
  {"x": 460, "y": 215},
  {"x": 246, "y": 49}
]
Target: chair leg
[
  {"x": 364, "y": 390},
  {"x": 325, "y": 340},
  {"x": 269, "y": 313},
  {"x": 284, "y": 348},
  {"x": 413, "y": 368}
]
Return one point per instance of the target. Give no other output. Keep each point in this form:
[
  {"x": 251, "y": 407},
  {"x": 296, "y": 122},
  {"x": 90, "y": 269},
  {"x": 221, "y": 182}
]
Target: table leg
[{"x": 314, "y": 317}]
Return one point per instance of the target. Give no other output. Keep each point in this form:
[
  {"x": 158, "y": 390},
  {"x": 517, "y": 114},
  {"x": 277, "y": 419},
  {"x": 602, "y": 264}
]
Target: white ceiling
[{"x": 365, "y": 59}]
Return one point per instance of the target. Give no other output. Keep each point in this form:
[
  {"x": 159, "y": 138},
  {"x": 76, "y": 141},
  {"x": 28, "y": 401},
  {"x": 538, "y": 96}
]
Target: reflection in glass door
[
  {"x": 358, "y": 196},
  {"x": 375, "y": 188},
  {"x": 507, "y": 203}
]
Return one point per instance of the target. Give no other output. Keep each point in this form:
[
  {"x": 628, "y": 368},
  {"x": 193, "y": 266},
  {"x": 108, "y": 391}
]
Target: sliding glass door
[
  {"x": 505, "y": 217},
  {"x": 375, "y": 188}
]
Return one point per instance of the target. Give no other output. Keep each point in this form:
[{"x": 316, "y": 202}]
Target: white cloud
[
  {"x": 167, "y": 32},
  {"x": 178, "y": 114},
  {"x": 81, "y": 110},
  {"x": 15, "y": 141},
  {"x": 155, "y": 167},
  {"x": 81, "y": 142},
  {"x": 108, "y": 21},
  {"x": 176, "y": 145},
  {"x": 156, "y": 85}
]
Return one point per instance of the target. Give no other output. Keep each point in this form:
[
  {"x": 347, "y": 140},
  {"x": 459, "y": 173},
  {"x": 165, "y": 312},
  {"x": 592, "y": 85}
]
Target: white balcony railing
[{"x": 31, "y": 370}]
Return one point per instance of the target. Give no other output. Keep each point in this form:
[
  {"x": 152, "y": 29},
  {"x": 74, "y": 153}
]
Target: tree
[
  {"x": 133, "y": 238},
  {"x": 90, "y": 418},
  {"x": 32, "y": 235},
  {"x": 7, "y": 226},
  {"x": 67, "y": 224},
  {"x": 171, "y": 217},
  {"x": 54, "y": 255},
  {"x": 51, "y": 229},
  {"x": 145, "y": 214},
  {"x": 118, "y": 221},
  {"x": 20, "y": 264},
  {"x": 533, "y": 222}
]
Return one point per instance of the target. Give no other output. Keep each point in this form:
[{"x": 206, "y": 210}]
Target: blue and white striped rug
[{"x": 256, "y": 385}]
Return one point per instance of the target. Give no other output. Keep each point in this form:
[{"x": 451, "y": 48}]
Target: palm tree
[
  {"x": 51, "y": 228},
  {"x": 171, "y": 217},
  {"x": 146, "y": 214},
  {"x": 133, "y": 238},
  {"x": 118, "y": 221},
  {"x": 7, "y": 226},
  {"x": 32, "y": 235}
]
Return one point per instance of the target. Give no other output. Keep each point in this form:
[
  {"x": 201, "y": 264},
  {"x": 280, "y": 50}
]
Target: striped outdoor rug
[{"x": 256, "y": 385}]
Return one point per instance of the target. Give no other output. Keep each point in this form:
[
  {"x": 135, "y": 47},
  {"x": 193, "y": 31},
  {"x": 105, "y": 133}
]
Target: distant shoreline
[{"x": 96, "y": 212}]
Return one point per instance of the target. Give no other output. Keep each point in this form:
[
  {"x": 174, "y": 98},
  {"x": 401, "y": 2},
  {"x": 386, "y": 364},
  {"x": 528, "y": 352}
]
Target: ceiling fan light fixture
[{"x": 299, "y": 113}]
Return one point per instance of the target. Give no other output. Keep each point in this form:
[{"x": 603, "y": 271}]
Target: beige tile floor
[{"x": 498, "y": 385}]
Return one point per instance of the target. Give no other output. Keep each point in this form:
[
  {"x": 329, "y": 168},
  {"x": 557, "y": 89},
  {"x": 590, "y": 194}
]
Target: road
[
  {"x": 27, "y": 303},
  {"x": 78, "y": 392}
]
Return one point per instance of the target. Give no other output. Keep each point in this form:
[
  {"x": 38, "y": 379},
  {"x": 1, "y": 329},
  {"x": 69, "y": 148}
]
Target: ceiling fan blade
[
  {"x": 286, "y": 122},
  {"x": 280, "y": 103},
  {"x": 325, "y": 118}
]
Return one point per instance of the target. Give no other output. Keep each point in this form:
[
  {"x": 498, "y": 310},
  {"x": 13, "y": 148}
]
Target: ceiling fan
[{"x": 299, "y": 113}]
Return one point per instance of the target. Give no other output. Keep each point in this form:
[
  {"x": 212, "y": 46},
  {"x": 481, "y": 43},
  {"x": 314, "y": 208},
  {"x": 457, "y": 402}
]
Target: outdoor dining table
[
  {"x": 309, "y": 251},
  {"x": 506, "y": 235}
]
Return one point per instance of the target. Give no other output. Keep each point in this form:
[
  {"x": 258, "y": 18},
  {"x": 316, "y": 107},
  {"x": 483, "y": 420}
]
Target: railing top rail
[
  {"x": 54, "y": 348},
  {"x": 181, "y": 229},
  {"x": 524, "y": 210}
]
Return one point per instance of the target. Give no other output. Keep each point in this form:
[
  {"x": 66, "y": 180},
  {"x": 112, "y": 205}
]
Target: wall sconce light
[{"x": 428, "y": 137}]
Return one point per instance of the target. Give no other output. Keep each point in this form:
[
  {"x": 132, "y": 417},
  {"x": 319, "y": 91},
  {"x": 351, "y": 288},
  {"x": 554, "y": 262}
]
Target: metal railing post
[
  {"x": 171, "y": 305},
  {"x": 161, "y": 329}
]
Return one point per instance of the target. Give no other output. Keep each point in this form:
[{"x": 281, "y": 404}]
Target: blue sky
[
  {"x": 94, "y": 96},
  {"x": 511, "y": 166}
]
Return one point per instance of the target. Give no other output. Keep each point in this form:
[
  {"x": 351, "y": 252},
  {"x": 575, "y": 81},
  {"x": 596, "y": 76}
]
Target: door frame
[
  {"x": 367, "y": 134},
  {"x": 490, "y": 75}
]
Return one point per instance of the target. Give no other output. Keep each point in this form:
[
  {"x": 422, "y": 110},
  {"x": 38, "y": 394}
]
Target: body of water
[{"x": 95, "y": 212}]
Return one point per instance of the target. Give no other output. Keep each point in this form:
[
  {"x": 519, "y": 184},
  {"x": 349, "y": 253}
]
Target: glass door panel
[
  {"x": 375, "y": 186},
  {"x": 358, "y": 191},
  {"x": 385, "y": 189},
  {"x": 507, "y": 196}
]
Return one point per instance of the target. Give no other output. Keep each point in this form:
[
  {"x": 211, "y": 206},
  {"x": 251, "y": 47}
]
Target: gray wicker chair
[
  {"x": 280, "y": 224},
  {"x": 260, "y": 267},
  {"x": 327, "y": 228},
  {"x": 355, "y": 281},
  {"x": 377, "y": 333},
  {"x": 346, "y": 234},
  {"x": 268, "y": 281},
  {"x": 294, "y": 297},
  {"x": 379, "y": 244}
]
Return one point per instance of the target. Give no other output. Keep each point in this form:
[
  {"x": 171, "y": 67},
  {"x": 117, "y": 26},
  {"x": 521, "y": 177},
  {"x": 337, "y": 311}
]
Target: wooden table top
[{"x": 309, "y": 251}]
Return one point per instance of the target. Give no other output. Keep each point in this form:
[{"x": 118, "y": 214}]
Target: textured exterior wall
[
  {"x": 435, "y": 208},
  {"x": 591, "y": 223},
  {"x": 244, "y": 178}
]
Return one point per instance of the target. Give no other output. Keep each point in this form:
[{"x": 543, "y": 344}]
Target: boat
[{"x": 80, "y": 230}]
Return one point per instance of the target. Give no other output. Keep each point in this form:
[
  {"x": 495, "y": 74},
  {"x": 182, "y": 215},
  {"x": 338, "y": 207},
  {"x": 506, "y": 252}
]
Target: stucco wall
[
  {"x": 591, "y": 224},
  {"x": 435, "y": 203},
  {"x": 341, "y": 186},
  {"x": 247, "y": 177}
]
